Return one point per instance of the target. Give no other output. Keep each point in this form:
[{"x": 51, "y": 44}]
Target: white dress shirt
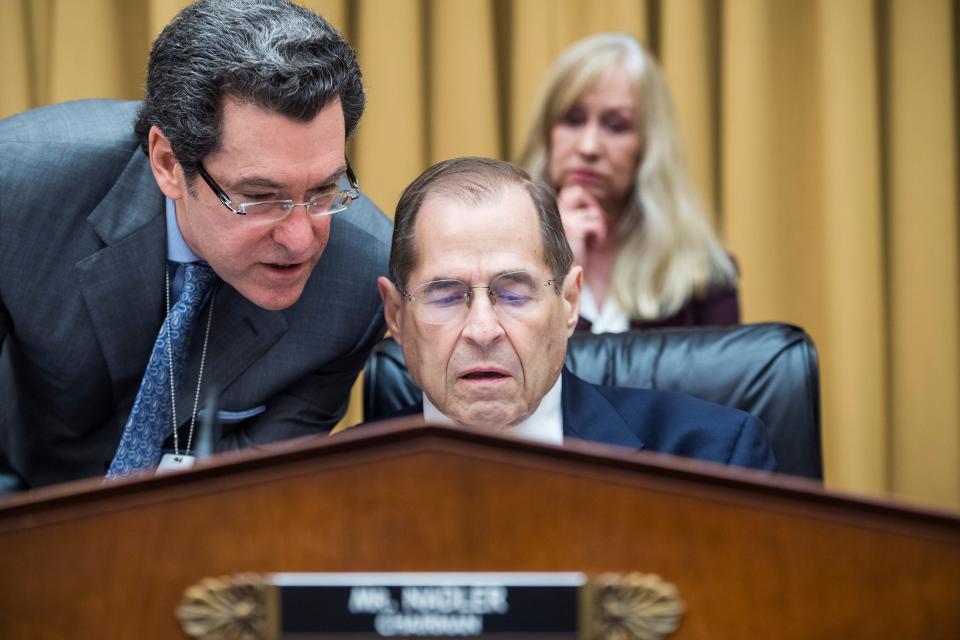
[{"x": 545, "y": 425}]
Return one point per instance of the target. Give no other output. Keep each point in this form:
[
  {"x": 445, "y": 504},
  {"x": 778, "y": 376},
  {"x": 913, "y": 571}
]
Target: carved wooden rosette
[
  {"x": 241, "y": 607},
  {"x": 633, "y": 606}
]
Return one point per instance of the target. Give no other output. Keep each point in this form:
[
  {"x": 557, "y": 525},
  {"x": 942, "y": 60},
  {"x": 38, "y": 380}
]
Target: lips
[
  {"x": 284, "y": 269},
  {"x": 482, "y": 375},
  {"x": 585, "y": 175},
  {"x": 485, "y": 374}
]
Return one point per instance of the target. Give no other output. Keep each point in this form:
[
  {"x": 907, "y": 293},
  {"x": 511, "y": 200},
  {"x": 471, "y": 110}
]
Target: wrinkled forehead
[{"x": 470, "y": 237}]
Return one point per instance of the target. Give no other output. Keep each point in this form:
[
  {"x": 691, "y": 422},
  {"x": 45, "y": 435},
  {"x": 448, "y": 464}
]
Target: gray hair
[
  {"x": 270, "y": 53},
  {"x": 476, "y": 180}
]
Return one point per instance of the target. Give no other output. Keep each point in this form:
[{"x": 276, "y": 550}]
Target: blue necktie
[{"x": 149, "y": 422}]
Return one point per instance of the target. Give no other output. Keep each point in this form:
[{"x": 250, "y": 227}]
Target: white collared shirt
[
  {"x": 545, "y": 425},
  {"x": 610, "y": 319}
]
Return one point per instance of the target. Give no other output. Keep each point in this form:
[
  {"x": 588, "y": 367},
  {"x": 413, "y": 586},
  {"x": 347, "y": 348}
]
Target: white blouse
[{"x": 610, "y": 319}]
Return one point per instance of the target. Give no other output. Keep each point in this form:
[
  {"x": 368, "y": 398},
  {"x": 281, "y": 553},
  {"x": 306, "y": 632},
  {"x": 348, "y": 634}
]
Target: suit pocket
[{"x": 229, "y": 417}]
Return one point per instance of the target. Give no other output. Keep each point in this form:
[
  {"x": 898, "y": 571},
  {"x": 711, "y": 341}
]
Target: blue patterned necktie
[{"x": 149, "y": 423}]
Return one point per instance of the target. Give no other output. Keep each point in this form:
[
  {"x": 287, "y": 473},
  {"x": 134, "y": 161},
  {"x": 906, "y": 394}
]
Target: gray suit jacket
[{"x": 82, "y": 257}]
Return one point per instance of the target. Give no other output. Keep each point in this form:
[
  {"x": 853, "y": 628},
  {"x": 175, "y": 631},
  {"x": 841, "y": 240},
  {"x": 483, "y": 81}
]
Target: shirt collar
[
  {"x": 545, "y": 424},
  {"x": 177, "y": 249},
  {"x": 610, "y": 319}
]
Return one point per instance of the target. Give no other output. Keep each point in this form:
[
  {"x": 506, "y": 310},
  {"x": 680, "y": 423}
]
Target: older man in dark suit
[
  {"x": 482, "y": 300},
  {"x": 212, "y": 236}
]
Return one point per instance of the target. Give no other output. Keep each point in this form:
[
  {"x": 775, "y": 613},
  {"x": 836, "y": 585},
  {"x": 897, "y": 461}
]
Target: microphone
[{"x": 209, "y": 433}]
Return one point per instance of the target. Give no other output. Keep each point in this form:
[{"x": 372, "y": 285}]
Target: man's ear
[
  {"x": 572, "y": 284},
  {"x": 391, "y": 307},
  {"x": 166, "y": 170}
]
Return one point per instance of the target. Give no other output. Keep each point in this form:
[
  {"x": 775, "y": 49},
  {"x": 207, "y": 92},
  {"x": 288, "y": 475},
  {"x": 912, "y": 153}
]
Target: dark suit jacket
[
  {"x": 667, "y": 422},
  {"x": 82, "y": 257}
]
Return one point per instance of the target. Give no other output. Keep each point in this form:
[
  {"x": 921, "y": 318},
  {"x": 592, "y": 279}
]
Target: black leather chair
[
  {"x": 9, "y": 480},
  {"x": 769, "y": 370}
]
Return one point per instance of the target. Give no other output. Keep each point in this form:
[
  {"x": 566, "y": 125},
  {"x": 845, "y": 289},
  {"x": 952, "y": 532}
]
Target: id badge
[{"x": 174, "y": 462}]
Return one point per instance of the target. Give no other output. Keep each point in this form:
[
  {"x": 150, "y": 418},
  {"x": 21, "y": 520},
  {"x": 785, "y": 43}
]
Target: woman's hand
[{"x": 583, "y": 222}]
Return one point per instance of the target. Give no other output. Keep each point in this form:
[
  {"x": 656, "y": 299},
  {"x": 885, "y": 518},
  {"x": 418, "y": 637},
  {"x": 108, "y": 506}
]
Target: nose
[
  {"x": 482, "y": 326},
  {"x": 297, "y": 233},
  {"x": 589, "y": 142}
]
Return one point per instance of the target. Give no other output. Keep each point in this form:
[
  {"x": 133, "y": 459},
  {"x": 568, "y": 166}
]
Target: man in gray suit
[{"x": 233, "y": 168}]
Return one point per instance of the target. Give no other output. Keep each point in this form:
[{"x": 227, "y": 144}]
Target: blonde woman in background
[{"x": 605, "y": 137}]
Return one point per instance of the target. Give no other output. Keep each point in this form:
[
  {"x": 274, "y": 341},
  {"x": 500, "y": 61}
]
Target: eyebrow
[
  {"x": 520, "y": 276},
  {"x": 266, "y": 183},
  {"x": 619, "y": 112}
]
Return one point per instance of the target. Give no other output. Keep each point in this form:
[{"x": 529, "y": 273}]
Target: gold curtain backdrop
[{"x": 823, "y": 132}]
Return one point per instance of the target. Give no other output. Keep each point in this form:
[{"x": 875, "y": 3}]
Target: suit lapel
[
  {"x": 122, "y": 284},
  {"x": 588, "y": 415},
  {"x": 241, "y": 333}
]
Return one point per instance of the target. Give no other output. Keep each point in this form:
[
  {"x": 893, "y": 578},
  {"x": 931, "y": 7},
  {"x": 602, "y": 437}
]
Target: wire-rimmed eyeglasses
[
  {"x": 516, "y": 293},
  {"x": 333, "y": 200}
]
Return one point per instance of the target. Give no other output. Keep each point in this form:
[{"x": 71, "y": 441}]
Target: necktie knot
[
  {"x": 198, "y": 276},
  {"x": 197, "y": 281}
]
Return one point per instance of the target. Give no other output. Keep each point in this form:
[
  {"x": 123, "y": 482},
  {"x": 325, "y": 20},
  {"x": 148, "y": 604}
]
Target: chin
[
  {"x": 274, "y": 300},
  {"x": 492, "y": 418}
]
